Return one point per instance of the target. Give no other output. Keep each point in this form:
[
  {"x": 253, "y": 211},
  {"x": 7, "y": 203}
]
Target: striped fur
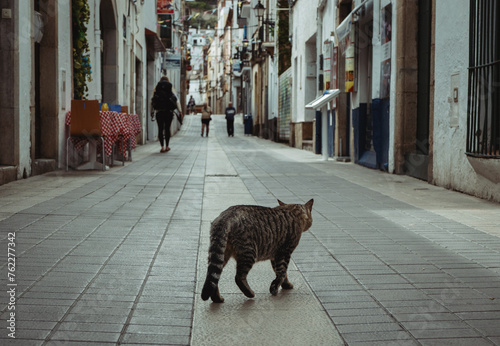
[{"x": 251, "y": 234}]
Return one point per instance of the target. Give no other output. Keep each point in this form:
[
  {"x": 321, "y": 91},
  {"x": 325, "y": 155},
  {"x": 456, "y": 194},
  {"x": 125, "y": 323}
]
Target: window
[
  {"x": 483, "y": 107},
  {"x": 166, "y": 29}
]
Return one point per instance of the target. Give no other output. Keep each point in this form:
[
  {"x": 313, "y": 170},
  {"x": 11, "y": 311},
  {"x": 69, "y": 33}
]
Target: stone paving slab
[
  {"x": 117, "y": 257},
  {"x": 292, "y": 317}
]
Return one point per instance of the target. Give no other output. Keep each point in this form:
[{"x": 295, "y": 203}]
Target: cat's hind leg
[
  {"x": 280, "y": 266},
  {"x": 215, "y": 293},
  {"x": 216, "y": 297},
  {"x": 243, "y": 265}
]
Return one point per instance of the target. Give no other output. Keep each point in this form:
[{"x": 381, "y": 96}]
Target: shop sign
[
  {"x": 164, "y": 7},
  {"x": 385, "y": 39}
]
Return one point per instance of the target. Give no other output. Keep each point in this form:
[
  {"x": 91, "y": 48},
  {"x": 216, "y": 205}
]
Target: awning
[
  {"x": 154, "y": 41},
  {"x": 345, "y": 27},
  {"x": 322, "y": 100}
]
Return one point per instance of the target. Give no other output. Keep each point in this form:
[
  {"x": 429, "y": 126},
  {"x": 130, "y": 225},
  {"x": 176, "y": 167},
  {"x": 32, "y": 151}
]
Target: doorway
[
  {"x": 109, "y": 68},
  {"x": 417, "y": 162},
  {"x": 44, "y": 135}
]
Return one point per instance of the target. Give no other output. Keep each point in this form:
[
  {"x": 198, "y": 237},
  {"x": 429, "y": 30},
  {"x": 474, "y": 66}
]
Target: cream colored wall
[
  {"x": 451, "y": 166},
  {"x": 304, "y": 27},
  {"x": 24, "y": 87}
]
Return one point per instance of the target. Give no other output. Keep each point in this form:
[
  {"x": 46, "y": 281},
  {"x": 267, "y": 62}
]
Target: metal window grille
[{"x": 483, "y": 107}]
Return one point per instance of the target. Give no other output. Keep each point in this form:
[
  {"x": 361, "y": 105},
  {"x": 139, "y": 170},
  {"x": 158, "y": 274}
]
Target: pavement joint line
[
  {"x": 42, "y": 240},
  {"x": 78, "y": 299},
  {"x": 320, "y": 316},
  {"x": 388, "y": 313},
  {"x": 368, "y": 291},
  {"x": 55, "y": 214},
  {"x": 153, "y": 260},
  {"x": 196, "y": 274},
  {"x": 55, "y": 265},
  {"x": 345, "y": 269}
]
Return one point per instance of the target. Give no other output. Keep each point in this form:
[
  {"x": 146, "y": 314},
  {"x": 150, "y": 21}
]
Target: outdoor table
[
  {"x": 129, "y": 126},
  {"x": 115, "y": 127}
]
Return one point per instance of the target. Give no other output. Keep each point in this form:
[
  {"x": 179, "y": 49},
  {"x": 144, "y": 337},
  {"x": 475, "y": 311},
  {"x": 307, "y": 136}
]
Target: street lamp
[{"x": 259, "y": 10}]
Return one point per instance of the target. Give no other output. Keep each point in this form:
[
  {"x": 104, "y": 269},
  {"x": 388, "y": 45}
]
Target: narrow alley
[{"x": 119, "y": 257}]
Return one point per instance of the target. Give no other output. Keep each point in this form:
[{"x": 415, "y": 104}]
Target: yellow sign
[{"x": 349, "y": 68}]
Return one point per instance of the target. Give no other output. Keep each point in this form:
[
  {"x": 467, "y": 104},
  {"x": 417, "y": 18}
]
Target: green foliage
[
  {"x": 81, "y": 60},
  {"x": 200, "y": 5},
  {"x": 203, "y": 20},
  {"x": 284, "y": 45}
]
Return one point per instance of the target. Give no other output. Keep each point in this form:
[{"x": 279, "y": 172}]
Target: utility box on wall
[{"x": 453, "y": 99}]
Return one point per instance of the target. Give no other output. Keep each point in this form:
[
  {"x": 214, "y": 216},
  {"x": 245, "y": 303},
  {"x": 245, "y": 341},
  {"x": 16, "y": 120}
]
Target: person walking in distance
[
  {"x": 191, "y": 105},
  {"x": 230, "y": 112},
  {"x": 206, "y": 117},
  {"x": 164, "y": 102}
]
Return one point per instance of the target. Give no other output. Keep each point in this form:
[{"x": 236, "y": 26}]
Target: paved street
[{"x": 119, "y": 257}]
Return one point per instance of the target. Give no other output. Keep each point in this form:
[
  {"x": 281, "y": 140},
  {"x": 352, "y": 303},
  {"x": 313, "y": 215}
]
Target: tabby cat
[{"x": 250, "y": 234}]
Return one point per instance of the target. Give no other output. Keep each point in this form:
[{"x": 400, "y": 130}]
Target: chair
[{"x": 86, "y": 123}]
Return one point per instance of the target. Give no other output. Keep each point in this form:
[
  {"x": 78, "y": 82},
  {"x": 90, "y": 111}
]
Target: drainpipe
[
  {"x": 324, "y": 109},
  {"x": 319, "y": 47}
]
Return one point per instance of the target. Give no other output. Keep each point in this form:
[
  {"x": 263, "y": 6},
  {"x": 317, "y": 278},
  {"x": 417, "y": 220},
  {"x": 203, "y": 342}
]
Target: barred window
[{"x": 483, "y": 106}]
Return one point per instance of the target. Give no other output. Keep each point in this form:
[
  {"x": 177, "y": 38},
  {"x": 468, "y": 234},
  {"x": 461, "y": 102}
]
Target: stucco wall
[
  {"x": 304, "y": 28},
  {"x": 392, "y": 107},
  {"x": 56, "y": 75},
  {"x": 65, "y": 76},
  {"x": 26, "y": 98},
  {"x": 128, "y": 49},
  {"x": 451, "y": 167}
]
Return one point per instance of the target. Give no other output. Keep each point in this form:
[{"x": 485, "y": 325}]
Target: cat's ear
[
  {"x": 281, "y": 203},
  {"x": 309, "y": 205}
]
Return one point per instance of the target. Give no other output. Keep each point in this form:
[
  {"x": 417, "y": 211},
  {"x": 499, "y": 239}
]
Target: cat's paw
[
  {"x": 217, "y": 299},
  {"x": 243, "y": 285},
  {"x": 274, "y": 288}
]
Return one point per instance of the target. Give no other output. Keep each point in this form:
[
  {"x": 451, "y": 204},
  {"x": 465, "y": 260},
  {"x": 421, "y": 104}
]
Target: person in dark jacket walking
[
  {"x": 191, "y": 105},
  {"x": 164, "y": 102},
  {"x": 230, "y": 112}
]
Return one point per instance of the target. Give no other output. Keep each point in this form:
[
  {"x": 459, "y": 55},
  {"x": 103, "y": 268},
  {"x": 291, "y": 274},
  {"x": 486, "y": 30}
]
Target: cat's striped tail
[{"x": 218, "y": 242}]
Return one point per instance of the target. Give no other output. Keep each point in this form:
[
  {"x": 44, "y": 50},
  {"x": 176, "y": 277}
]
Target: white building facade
[
  {"x": 466, "y": 139},
  {"x": 36, "y": 54},
  {"x": 304, "y": 26},
  {"x": 413, "y": 101}
]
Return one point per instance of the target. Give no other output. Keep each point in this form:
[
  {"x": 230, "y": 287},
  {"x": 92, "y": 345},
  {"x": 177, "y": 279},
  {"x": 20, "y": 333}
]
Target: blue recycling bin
[{"x": 248, "y": 124}]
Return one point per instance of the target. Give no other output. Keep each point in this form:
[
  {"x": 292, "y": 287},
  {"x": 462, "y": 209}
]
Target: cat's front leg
[
  {"x": 280, "y": 266},
  {"x": 286, "y": 285},
  {"x": 275, "y": 285}
]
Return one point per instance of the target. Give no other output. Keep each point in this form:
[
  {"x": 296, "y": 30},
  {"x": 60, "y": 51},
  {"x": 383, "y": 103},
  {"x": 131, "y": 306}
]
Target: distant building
[{"x": 198, "y": 42}]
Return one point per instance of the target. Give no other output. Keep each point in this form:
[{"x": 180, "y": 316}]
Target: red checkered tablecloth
[
  {"x": 114, "y": 127},
  {"x": 109, "y": 130},
  {"x": 135, "y": 123}
]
